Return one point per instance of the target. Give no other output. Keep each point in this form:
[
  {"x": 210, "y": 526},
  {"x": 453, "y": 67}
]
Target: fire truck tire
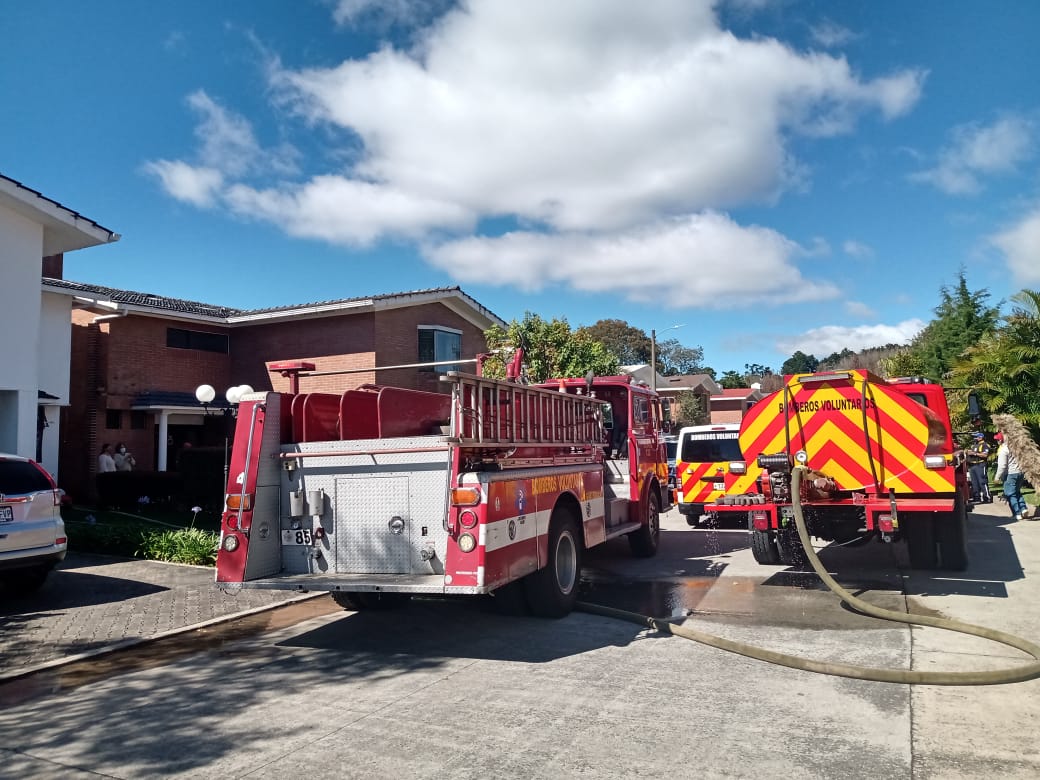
[
  {"x": 951, "y": 534},
  {"x": 373, "y": 601},
  {"x": 790, "y": 547},
  {"x": 643, "y": 541},
  {"x": 552, "y": 591},
  {"x": 382, "y": 601},
  {"x": 919, "y": 531},
  {"x": 764, "y": 548},
  {"x": 346, "y": 600}
]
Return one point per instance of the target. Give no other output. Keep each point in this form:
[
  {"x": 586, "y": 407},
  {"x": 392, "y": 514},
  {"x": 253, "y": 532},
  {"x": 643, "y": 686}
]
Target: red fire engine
[{"x": 378, "y": 493}]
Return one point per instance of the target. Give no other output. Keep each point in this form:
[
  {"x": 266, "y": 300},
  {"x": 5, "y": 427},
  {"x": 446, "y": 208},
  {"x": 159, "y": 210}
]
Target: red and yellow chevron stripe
[
  {"x": 693, "y": 489},
  {"x": 826, "y": 419}
]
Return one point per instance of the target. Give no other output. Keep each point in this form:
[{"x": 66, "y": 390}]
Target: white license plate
[
  {"x": 299, "y": 536},
  {"x": 719, "y": 485},
  {"x": 6, "y": 514}
]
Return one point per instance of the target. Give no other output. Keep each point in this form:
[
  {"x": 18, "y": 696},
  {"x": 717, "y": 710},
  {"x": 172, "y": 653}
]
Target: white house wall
[
  {"x": 21, "y": 251},
  {"x": 55, "y": 363}
]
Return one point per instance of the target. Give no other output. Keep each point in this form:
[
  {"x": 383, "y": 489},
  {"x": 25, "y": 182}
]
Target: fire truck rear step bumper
[
  {"x": 357, "y": 583},
  {"x": 621, "y": 530}
]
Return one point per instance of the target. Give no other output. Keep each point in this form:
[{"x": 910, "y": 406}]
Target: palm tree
[{"x": 1004, "y": 365}]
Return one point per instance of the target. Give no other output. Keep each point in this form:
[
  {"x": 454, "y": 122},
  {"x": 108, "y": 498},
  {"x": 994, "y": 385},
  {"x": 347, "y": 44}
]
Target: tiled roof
[
  {"x": 56, "y": 204},
  {"x": 180, "y": 306},
  {"x": 737, "y": 392},
  {"x": 148, "y": 300}
]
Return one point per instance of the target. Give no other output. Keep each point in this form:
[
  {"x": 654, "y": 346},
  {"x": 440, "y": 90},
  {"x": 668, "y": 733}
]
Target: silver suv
[{"x": 32, "y": 534}]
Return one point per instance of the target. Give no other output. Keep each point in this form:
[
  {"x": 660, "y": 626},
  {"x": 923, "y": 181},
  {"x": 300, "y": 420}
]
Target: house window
[
  {"x": 179, "y": 338},
  {"x": 114, "y": 419},
  {"x": 437, "y": 344},
  {"x": 138, "y": 420}
]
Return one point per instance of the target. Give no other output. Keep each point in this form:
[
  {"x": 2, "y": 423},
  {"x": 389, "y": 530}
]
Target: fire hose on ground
[{"x": 1019, "y": 673}]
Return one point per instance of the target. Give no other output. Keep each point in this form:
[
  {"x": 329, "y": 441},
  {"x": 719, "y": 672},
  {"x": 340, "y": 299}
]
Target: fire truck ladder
[{"x": 498, "y": 414}]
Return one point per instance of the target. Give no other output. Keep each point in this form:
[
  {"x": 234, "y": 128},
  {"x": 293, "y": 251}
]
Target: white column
[{"x": 164, "y": 435}]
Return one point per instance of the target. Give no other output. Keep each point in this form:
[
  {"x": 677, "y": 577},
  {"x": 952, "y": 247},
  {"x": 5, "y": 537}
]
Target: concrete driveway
[{"x": 450, "y": 689}]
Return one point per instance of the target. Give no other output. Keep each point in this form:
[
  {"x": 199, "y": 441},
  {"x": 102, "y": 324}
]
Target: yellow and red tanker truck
[{"x": 882, "y": 464}]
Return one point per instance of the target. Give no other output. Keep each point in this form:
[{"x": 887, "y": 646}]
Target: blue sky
[{"x": 772, "y": 175}]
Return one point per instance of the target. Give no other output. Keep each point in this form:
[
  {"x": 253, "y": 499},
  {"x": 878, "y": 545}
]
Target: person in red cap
[{"x": 978, "y": 458}]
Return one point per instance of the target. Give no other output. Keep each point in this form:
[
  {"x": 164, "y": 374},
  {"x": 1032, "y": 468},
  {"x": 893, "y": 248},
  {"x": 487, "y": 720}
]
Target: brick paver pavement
[{"x": 94, "y": 602}]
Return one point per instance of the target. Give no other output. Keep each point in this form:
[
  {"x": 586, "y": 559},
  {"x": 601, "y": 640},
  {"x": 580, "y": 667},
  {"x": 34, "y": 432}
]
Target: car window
[
  {"x": 707, "y": 448},
  {"x": 672, "y": 446},
  {"x": 18, "y": 477}
]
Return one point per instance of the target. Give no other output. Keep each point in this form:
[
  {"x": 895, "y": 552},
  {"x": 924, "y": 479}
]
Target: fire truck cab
[{"x": 379, "y": 493}]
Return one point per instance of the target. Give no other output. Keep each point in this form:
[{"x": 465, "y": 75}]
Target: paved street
[{"x": 451, "y": 689}]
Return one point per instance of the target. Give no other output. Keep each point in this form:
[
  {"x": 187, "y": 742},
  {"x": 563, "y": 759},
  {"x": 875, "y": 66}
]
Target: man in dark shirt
[{"x": 978, "y": 457}]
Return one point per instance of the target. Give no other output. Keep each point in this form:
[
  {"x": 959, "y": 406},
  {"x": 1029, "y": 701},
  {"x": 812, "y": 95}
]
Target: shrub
[
  {"x": 107, "y": 539},
  {"x": 192, "y": 546}
]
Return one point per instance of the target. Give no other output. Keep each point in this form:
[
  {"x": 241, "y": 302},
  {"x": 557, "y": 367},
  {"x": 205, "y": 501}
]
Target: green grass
[{"x": 155, "y": 532}]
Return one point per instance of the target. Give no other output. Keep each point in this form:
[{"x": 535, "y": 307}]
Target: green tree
[
  {"x": 905, "y": 362},
  {"x": 1004, "y": 366},
  {"x": 673, "y": 359},
  {"x": 551, "y": 350},
  {"x": 629, "y": 344},
  {"x": 692, "y": 409},
  {"x": 731, "y": 380},
  {"x": 800, "y": 363},
  {"x": 961, "y": 319}
]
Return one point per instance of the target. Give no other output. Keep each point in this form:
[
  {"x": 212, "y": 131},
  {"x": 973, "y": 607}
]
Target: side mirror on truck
[{"x": 974, "y": 407}]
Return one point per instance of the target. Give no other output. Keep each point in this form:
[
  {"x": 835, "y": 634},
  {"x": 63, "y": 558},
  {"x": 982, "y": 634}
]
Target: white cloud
[
  {"x": 830, "y": 34},
  {"x": 856, "y": 249},
  {"x": 1021, "y": 247},
  {"x": 597, "y": 121},
  {"x": 588, "y": 114},
  {"x": 859, "y": 309},
  {"x": 977, "y": 150},
  {"x": 343, "y": 211},
  {"x": 198, "y": 186},
  {"x": 682, "y": 263},
  {"x": 834, "y": 338},
  {"x": 228, "y": 149}
]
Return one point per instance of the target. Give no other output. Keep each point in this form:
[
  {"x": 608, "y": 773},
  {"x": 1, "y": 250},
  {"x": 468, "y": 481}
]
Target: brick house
[
  {"x": 730, "y": 405},
  {"x": 136, "y": 364}
]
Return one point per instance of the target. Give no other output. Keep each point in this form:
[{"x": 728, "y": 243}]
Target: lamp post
[
  {"x": 205, "y": 395},
  {"x": 653, "y": 354}
]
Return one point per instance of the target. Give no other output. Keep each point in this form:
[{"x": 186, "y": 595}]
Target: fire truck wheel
[
  {"x": 346, "y": 600},
  {"x": 381, "y": 601},
  {"x": 919, "y": 531},
  {"x": 359, "y": 601},
  {"x": 951, "y": 533},
  {"x": 553, "y": 590},
  {"x": 764, "y": 548},
  {"x": 644, "y": 540},
  {"x": 790, "y": 548}
]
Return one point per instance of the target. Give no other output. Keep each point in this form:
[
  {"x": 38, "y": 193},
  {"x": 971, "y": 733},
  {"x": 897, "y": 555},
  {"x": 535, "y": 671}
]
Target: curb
[{"x": 123, "y": 644}]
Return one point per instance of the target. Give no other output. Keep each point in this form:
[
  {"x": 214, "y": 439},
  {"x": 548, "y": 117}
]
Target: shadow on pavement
[
  {"x": 429, "y": 631},
  {"x": 993, "y": 562},
  {"x": 68, "y": 589}
]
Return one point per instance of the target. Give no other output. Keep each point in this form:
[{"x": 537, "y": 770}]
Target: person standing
[
  {"x": 978, "y": 459},
  {"x": 1010, "y": 473},
  {"x": 106, "y": 462},
  {"x": 123, "y": 460}
]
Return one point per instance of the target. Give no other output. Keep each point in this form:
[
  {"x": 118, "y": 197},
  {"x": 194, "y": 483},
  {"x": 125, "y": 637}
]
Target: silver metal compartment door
[{"x": 365, "y": 507}]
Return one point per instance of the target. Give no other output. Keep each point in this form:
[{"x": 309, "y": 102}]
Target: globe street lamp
[{"x": 653, "y": 353}]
